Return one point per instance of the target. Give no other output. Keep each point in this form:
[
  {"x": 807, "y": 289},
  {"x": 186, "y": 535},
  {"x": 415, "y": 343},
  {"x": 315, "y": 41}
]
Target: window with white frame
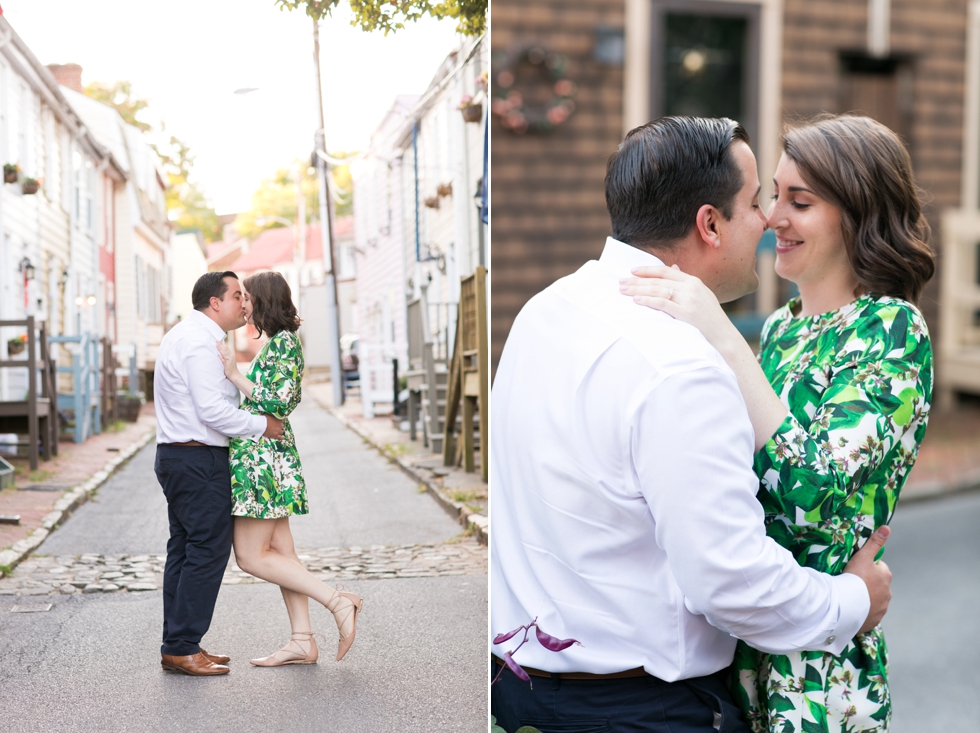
[
  {"x": 31, "y": 113},
  {"x": 66, "y": 172},
  {"x": 51, "y": 150},
  {"x": 84, "y": 184},
  {"x": 4, "y": 144},
  {"x": 14, "y": 123},
  {"x": 76, "y": 167},
  {"x": 140, "y": 288}
]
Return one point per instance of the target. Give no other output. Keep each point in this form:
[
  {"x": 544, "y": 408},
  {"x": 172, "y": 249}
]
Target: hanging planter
[
  {"x": 444, "y": 189},
  {"x": 471, "y": 111},
  {"x": 30, "y": 186},
  {"x": 432, "y": 202},
  {"x": 16, "y": 345},
  {"x": 10, "y": 173}
]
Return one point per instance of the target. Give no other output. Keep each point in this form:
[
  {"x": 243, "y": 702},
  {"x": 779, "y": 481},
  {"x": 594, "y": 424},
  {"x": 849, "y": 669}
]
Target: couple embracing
[
  {"x": 232, "y": 474},
  {"x": 704, "y": 521}
]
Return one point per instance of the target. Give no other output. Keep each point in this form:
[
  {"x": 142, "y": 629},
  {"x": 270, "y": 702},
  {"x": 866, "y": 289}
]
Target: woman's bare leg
[
  {"x": 297, "y": 604},
  {"x": 255, "y": 555}
]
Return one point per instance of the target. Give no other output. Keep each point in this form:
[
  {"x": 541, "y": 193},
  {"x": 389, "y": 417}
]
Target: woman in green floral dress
[
  {"x": 267, "y": 476},
  {"x": 841, "y": 400}
]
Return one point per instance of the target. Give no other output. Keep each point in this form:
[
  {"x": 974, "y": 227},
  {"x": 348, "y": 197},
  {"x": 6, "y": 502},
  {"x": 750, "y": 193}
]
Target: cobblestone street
[{"x": 67, "y": 574}]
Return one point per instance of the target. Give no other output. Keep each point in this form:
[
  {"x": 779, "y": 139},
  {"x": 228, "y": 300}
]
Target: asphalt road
[
  {"x": 933, "y": 624},
  {"x": 419, "y": 663}
]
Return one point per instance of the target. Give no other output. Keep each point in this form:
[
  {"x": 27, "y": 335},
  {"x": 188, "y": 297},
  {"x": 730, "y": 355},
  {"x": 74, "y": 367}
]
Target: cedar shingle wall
[{"x": 549, "y": 212}]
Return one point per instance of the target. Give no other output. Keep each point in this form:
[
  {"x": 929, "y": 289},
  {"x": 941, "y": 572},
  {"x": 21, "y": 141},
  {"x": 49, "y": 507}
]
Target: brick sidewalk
[
  {"x": 463, "y": 495},
  {"x": 75, "y": 464}
]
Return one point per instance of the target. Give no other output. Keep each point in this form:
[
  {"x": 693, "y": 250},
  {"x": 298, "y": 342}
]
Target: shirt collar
[
  {"x": 622, "y": 257},
  {"x": 213, "y": 327}
]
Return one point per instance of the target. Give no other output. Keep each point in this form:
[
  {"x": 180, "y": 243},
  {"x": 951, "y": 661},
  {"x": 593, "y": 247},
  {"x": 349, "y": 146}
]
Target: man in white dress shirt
[
  {"x": 197, "y": 410},
  {"x": 624, "y": 501}
]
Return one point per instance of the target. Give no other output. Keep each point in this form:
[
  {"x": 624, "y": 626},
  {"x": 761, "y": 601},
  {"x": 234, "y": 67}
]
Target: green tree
[
  {"x": 187, "y": 204},
  {"x": 343, "y": 186},
  {"x": 391, "y": 15},
  {"x": 120, "y": 97},
  {"x": 276, "y": 197}
]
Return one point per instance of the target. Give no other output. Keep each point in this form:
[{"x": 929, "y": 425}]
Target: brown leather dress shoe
[
  {"x": 193, "y": 664},
  {"x": 216, "y": 658}
]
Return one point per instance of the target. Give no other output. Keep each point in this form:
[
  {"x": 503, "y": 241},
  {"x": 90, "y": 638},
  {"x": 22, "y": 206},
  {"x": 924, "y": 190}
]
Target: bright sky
[{"x": 188, "y": 57}]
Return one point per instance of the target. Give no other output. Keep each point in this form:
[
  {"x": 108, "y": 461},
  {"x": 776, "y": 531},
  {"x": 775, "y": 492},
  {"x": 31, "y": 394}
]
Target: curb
[
  {"x": 68, "y": 503},
  {"x": 478, "y": 524},
  {"x": 931, "y": 490}
]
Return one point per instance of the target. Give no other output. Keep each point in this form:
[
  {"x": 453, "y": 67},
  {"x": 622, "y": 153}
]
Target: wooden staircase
[
  {"x": 427, "y": 378},
  {"x": 468, "y": 391}
]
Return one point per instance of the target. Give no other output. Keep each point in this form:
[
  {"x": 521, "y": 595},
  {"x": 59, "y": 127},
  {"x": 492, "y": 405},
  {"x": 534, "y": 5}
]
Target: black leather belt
[
  {"x": 638, "y": 672},
  {"x": 196, "y": 444}
]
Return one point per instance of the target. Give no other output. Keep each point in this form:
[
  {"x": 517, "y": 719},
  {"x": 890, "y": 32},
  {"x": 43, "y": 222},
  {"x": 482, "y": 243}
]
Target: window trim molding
[
  {"x": 970, "y": 183},
  {"x": 637, "y": 75}
]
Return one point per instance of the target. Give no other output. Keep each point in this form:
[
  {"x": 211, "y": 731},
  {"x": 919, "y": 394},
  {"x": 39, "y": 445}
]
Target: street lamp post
[{"x": 326, "y": 232}]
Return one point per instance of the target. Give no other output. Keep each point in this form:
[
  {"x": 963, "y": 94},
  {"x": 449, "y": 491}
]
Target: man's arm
[
  {"x": 205, "y": 374},
  {"x": 692, "y": 447}
]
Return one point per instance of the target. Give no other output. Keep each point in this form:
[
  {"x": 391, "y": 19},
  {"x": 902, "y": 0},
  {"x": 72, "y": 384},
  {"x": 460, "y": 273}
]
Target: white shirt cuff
[
  {"x": 258, "y": 427},
  {"x": 855, "y": 603}
]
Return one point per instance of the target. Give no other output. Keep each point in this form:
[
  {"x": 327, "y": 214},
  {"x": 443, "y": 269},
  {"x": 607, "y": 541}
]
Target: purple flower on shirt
[{"x": 546, "y": 640}]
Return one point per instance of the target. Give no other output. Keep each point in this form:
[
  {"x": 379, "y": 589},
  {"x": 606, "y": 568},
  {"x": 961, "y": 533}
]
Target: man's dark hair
[
  {"x": 210, "y": 285},
  {"x": 666, "y": 170}
]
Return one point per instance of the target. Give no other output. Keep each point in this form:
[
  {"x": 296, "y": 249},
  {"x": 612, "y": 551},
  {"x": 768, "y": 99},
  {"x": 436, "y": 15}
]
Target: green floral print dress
[
  {"x": 858, "y": 384},
  {"x": 266, "y": 475}
]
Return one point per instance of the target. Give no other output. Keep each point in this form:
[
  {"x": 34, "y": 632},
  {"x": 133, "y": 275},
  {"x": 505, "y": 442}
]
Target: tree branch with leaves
[
  {"x": 389, "y": 16},
  {"x": 187, "y": 205}
]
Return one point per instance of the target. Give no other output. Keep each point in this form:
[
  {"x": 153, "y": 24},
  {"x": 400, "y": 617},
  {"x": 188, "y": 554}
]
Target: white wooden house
[
  {"x": 189, "y": 262},
  {"x": 417, "y": 226},
  {"x": 142, "y": 233},
  {"x": 380, "y": 240},
  {"x": 49, "y": 239}
]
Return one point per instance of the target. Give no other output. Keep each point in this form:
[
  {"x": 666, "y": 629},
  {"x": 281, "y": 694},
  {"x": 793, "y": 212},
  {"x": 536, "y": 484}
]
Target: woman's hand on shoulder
[
  {"x": 227, "y": 359},
  {"x": 681, "y": 296}
]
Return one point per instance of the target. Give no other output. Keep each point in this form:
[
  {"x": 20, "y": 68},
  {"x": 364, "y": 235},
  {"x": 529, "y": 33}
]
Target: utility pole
[{"x": 326, "y": 233}]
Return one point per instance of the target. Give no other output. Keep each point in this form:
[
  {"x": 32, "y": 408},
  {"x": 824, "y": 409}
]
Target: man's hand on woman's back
[
  {"x": 876, "y": 576},
  {"x": 274, "y": 426}
]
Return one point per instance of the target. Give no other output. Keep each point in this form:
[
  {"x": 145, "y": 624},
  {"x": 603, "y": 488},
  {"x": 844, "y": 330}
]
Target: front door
[{"x": 705, "y": 61}]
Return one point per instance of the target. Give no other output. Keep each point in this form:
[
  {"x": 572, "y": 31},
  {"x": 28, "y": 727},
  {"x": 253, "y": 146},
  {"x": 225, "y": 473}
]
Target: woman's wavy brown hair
[
  {"x": 272, "y": 303},
  {"x": 862, "y": 168}
]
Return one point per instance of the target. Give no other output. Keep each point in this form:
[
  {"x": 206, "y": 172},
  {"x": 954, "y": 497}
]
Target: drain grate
[{"x": 43, "y": 487}]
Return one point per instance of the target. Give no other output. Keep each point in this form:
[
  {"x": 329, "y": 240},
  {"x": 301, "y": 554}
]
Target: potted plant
[
  {"x": 10, "y": 172},
  {"x": 444, "y": 189},
  {"x": 432, "y": 202},
  {"x": 17, "y": 344},
  {"x": 30, "y": 186},
  {"x": 129, "y": 405},
  {"x": 472, "y": 111}
]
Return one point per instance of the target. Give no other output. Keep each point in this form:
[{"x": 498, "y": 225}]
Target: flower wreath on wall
[{"x": 508, "y": 102}]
